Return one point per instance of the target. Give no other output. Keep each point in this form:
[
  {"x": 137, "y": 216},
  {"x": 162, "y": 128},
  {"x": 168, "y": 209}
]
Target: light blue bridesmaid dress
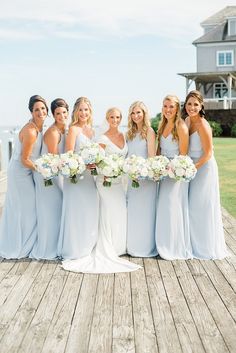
[
  {"x": 141, "y": 209},
  {"x": 79, "y": 224},
  {"x": 206, "y": 228},
  {"x": 49, "y": 209},
  {"x": 172, "y": 220},
  {"x": 18, "y": 229}
]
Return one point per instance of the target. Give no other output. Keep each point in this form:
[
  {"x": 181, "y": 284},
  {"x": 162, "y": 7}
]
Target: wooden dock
[{"x": 166, "y": 307}]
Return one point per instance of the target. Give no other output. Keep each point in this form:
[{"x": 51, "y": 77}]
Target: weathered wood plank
[
  {"x": 145, "y": 336},
  {"x": 230, "y": 241},
  {"x": 228, "y": 270},
  {"x": 101, "y": 329},
  {"x": 123, "y": 326},
  {"x": 211, "y": 338},
  {"x": 6, "y": 266},
  {"x": 37, "y": 331},
  {"x": 21, "y": 321},
  {"x": 188, "y": 334},
  {"x": 78, "y": 340},
  {"x": 225, "y": 291},
  {"x": 60, "y": 325},
  {"x": 167, "y": 337},
  {"x": 17, "y": 295},
  {"x": 221, "y": 315},
  {"x": 11, "y": 277}
]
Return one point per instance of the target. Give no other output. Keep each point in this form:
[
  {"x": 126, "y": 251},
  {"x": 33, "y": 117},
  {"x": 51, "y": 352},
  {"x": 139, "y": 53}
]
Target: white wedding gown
[{"x": 112, "y": 227}]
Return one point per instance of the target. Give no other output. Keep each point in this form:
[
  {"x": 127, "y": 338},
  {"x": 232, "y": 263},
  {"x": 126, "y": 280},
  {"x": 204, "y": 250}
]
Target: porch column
[
  {"x": 187, "y": 85},
  {"x": 229, "y": 81}
]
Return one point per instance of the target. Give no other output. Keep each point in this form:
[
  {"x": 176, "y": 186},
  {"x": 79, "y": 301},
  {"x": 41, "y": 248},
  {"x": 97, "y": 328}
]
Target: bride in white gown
[{"x": 113, "y": 215}]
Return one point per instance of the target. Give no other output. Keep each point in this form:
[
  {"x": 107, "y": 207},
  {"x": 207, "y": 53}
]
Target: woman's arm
[
  {"x": 71, "y": 137},
  {"x": 183, "y": 138},
  {"x": 205, "y": 134},
  {"x": 51, "y": 140},
  {"x": 151, "y": 142},
  {"x": 28, "y": 137}
]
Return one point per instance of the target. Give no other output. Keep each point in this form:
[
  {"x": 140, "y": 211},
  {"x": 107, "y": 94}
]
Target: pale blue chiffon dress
[
  {"x": 18, "y": 227},
  {"x": 172, "y": 219},
  {"x": 80, "y": 212},
  {"x": 49, "y": 209},
  {"x": 206, "y": 228},
  {"x": 141, "y": 208}
]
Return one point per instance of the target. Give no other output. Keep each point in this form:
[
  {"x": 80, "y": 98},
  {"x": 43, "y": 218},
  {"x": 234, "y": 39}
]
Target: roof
[
  {"x": 208, "y": 76},
  {"x": 220, "y": 16},
  {"x": 217, "y": 34}
]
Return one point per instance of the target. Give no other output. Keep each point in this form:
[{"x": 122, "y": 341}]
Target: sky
[{"x": 113, "y": 52}]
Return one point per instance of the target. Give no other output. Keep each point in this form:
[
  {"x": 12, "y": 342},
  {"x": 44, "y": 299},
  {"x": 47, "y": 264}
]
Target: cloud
[{"x": 86, "y": 20}]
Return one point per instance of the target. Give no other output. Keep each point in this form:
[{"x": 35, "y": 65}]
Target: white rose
[
  {"x": 180, "y": 172},
  {"x": 73, "y": 164},
  {"x": 65, "y": 171}
]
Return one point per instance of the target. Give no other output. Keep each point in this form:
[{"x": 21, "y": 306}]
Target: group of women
[{"x": 88, "y": 225}]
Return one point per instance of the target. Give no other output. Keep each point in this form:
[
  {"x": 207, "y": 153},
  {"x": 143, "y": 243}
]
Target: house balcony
[{"x": 219, "y": 103}]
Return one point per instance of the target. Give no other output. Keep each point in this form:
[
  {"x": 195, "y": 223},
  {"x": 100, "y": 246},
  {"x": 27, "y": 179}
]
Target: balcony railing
[{"x": 220, "y": 103}]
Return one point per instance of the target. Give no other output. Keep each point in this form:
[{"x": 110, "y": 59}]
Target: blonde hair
[
  {"x": 177, "y": 118},
  {"x": 110, "y": 110},
  {"x": 75, "y": 116},
  {"x": 133, "y": 127}
]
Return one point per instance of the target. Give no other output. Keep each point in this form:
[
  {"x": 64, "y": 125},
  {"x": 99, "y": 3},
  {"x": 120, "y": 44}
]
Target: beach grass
[{"x": 225, "y": 154}]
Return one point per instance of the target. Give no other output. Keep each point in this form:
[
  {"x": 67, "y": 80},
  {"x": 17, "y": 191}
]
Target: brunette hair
[
  {"x": 34, "y": 99},
  {"x": 57, "y": 103},
  {"x": 197, "y": 95}
]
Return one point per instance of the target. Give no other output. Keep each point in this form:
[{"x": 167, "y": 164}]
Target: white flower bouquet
[
  {"x": 71, "y": 166},
  {"x": 136, "y": 168},
  {"x": 111, "y": 167},
  {"x": 92, "y": 153},
  {"x": 182, "y": 168},
  {"x": 48, "y": 166},
  {"x": 158, "y": 167}
]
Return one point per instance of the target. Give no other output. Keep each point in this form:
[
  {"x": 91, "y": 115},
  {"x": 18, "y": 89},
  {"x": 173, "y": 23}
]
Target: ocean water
[{"x": 9, "y": 134}]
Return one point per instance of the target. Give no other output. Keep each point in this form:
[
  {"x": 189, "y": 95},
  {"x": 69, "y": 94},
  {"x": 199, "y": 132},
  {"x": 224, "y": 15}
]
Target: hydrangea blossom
[
  {"x": 182, "y": 168},
  {"x": 71, "y": 166},
  {"x": 111, "y": 167},
  {"x": 48, "y": 166}
]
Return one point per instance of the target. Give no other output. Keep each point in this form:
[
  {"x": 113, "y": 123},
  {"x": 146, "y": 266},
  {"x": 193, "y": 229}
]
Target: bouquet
[
  {"x": 48, "y": 166},
  {"x": 111, "y": 167},
  {"x": 92, "y": 153},
  {"x": 158, "y": 167},
  {"x": 71, "y": 166},
  {"x": 137, "y": 168},
  {"x": 182, "y": 168}
]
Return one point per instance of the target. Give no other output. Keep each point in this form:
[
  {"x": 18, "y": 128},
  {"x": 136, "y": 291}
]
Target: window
[
  {"x": 220, "y": 90},
  {"x": 232, "y": 27},
  {"x": 225, "y": 58}
]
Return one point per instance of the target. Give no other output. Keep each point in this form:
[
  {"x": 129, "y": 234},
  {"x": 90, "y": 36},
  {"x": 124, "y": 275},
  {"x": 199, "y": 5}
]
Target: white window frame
[
  {"x": 233, "y": 19},
  {"x": 224, "y": 52},
  {"x": 223, "y": 86}
]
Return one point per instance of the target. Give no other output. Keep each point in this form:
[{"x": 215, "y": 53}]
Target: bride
[{"x": 112, "y": 221}]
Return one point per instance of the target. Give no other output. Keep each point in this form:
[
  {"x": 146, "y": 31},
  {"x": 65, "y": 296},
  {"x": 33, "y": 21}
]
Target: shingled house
[{"x": 216, "y": 61}]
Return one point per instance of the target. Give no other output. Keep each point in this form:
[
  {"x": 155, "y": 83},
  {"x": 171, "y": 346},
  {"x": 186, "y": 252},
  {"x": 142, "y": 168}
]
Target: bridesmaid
[
  {"x": 142, "y": 201},
  {"x": 172, "y": 222},
  {"x": 49, "y": 199},
  {"x": 18, "y": 229},
  {"x": 206, "y": 229},
  {"x": 79, "y": 225}
]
